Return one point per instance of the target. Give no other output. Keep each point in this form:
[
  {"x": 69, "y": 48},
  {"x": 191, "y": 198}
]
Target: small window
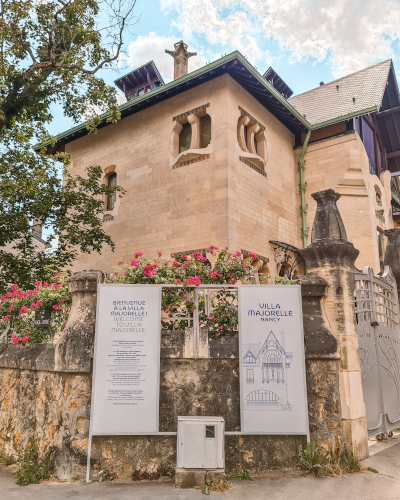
[
  {"x": 205, "y": 131},
  {"x": 141, "y": 91},
  {"x": 112, "y": 181},
  {"x": 185, "y": 137},
  {"x": 378, "y": 200},
  {"x": 156, "y": 85},
  {"x": 149, "y": 89},
  {"x": 250, "y": 375},
  {"x": 210, "y": 431}
]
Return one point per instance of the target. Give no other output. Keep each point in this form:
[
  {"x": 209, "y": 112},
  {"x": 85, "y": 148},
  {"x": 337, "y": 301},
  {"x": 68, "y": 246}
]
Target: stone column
[
  {"x": 322, "y": 355},
  {"x": 331, "y": 257},
  {"x": 392, "y": 254},
  {"x": 74, "y": 347}
]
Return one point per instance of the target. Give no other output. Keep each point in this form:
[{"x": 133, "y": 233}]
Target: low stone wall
[
  {"x": 30, "y": 388},
  {"x": 51, "y": 385},
  {"x": 57, "y": 403}
]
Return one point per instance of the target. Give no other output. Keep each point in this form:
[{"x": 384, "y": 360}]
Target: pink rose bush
[
  {"x": 190, "y": 271},
  {"x": 18, "y": 308}
]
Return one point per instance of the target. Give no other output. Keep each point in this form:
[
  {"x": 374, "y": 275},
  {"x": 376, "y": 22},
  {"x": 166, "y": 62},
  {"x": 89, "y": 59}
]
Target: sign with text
[
  {"x": 126, "y": 370},
  {"x": 42, "y": 318},
  {"x": 272, "y": 360}
]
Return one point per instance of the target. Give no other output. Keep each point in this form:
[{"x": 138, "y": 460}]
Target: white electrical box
[{"x": 200, "y": 443}]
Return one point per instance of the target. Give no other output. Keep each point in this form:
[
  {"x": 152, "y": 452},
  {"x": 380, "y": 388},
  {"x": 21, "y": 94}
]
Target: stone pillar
[
  {"x": 181, "y": 58},
  {"x": 392, "y": 254},
  {"x": 331, "y": 257},
  {"x": 74, "y": 347},
  {"x": 322, "y": 355}
]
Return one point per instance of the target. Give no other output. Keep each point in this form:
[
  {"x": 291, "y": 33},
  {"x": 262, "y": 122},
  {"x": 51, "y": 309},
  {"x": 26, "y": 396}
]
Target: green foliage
[
  {"x": 371, "y": 469},
  {"x": 50, "y": 54},
  {"x": 312, "y": 459},
  {"x": 320, "y": 462},
  {"x": 351, "y": 462},
  {"x": 6, "y": 460},
  {"x": 205, "y": 490},
  {"x": 33, "y": 468},
  {"x": 242, "y": 475}
]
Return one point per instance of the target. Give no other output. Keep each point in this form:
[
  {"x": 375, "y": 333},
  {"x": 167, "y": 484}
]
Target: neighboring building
[
  {"x": 212, "y": 158},
  {"x": 39, "y": 243}
]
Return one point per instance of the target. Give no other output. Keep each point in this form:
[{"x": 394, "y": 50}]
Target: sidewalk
[{"x": 385, "y": 457}]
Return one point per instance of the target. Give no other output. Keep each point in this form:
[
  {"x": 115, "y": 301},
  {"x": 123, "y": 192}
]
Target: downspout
[{"x": 302, "y": 186}]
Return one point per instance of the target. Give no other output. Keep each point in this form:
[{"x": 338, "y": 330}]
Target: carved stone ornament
[{"x": 328, "y": 223}]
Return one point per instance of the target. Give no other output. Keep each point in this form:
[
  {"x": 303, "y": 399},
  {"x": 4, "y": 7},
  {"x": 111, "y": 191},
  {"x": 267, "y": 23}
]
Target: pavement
[{"x": 384, "y": 485}]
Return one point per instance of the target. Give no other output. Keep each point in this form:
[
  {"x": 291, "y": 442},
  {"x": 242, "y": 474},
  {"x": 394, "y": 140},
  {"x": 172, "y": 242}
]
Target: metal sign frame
[
  {"x": 96, "y": 340},
  {"x": 196, "y": 354},
  {"x": 307, "y": 431}
]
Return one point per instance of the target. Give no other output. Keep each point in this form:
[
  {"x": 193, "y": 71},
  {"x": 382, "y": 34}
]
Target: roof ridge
[{"x": 341, "y": 78}]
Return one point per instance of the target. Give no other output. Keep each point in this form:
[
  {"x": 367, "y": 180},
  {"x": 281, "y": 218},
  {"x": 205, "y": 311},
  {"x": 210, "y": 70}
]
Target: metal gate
[{"x": 378, "y": 331}]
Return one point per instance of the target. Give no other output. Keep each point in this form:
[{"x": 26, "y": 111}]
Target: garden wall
[
  {"x": 60, "y": 403},
  {"x": 50, "y": 385}
]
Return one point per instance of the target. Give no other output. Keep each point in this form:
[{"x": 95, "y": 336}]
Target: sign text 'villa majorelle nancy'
[{"x": 272, "y": 364}]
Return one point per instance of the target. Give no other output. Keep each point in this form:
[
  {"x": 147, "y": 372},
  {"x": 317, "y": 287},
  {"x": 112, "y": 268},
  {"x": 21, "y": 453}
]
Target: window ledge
[
  {"x": 191, "y": 154},
  {"x": 256, "y": 160}
]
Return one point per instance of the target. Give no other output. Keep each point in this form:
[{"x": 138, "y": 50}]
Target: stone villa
[{"x": 216, "y": 157}]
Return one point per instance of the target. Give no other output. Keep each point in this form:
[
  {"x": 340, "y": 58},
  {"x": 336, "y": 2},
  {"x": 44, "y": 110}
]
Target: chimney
[
  {"x": 37, "y": 228},
  {"x": 181, "y": 56}
]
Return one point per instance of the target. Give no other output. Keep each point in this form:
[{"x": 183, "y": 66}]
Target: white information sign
[
  {"x": 126, "y": 371},
  {"x": 272, "y": 361}
]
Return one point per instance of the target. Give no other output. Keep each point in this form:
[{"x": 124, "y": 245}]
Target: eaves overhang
[
  {"x": 233, "y": 64},
  {"x": 343, "y": 118}
]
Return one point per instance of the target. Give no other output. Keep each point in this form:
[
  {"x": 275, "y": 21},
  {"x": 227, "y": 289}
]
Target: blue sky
[{"x": 305, "y": 41}]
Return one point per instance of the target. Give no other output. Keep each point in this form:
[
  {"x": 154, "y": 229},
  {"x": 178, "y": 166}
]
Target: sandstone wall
[{"x": 219, "y": 200}]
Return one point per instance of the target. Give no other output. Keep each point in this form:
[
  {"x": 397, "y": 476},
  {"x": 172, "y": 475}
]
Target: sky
[{"x": 305, "y": 41}]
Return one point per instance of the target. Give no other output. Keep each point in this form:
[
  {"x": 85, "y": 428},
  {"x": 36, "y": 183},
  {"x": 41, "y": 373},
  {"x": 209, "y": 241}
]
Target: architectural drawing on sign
[{"x": 265, "y": 374}]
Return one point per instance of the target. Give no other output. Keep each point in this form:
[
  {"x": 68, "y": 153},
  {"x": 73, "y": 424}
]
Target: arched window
[
  {"x": 205, "y": 131},
  {"x": 111, "y": 181},
  {"x": 185, "y": 137}
]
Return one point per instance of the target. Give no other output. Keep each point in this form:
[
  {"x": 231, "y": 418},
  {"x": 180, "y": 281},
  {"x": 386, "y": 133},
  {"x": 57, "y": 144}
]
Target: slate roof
[{"x": 335, "y": 99}]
